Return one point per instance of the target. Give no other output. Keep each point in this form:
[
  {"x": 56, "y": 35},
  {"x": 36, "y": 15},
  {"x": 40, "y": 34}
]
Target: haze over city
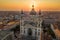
[
  {"x": 29, "y": 19},
  {"x": 26, "y": 4}
]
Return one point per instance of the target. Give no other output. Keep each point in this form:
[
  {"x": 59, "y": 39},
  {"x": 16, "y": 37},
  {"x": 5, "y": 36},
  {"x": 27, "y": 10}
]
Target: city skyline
[{"x": 26, "y": 4}]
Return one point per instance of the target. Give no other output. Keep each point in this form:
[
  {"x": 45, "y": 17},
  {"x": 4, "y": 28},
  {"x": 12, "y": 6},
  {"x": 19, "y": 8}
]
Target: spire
[
  {"x": 33, "y": 7},
  {"x": 33, "y": 12},
  {"x": 22, "y": 12},
  {"x": 39, "y": 12}
]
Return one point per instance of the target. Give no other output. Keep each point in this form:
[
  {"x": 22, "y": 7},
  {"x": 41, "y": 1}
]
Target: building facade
[{"x": 32, "y": 26}]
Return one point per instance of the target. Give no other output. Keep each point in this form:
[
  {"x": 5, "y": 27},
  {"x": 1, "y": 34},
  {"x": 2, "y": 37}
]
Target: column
[
  {"x": 26, "y": 31},
  {"x": 33, "y": 32}
]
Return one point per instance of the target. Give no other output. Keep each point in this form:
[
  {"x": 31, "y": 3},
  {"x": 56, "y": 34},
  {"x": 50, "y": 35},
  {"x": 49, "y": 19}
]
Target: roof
[
  {"x": 56, "y": 29},
  {"x": 3, "y": 33},
  {"x": 33, "y": 12},
  {"x": 30, "y": 23}
]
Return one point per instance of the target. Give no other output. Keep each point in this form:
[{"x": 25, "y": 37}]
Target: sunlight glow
[{"x": 33, "y": 2}]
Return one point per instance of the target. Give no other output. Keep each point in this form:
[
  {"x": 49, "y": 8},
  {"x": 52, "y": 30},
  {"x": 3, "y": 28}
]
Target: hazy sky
[{"x": 26, "y": 4}]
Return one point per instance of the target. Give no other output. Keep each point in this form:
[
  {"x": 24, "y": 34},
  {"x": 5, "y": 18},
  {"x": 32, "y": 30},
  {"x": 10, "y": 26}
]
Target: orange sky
[{"x": 26, "y": 4}]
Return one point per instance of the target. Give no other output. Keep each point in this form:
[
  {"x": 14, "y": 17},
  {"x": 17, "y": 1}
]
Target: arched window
[
  {"x": 35, "y": 32},
  {"x": 30, "y": 31}
]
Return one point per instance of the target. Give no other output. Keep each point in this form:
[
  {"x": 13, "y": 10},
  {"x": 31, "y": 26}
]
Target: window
[
  {"x": 35, "y": 31},
  {"x": 24, "y": 30},
  {"x": 21, "y": 31},
  {"x": 39, "y": 33},
  {"x": 39, "y": 30}
]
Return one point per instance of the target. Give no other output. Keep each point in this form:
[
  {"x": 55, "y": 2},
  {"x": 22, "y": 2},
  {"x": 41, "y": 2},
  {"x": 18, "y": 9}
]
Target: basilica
[{"x": 31, "y": 25}]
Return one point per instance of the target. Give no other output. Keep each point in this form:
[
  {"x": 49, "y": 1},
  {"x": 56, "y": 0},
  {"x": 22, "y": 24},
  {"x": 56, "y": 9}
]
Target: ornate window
[
  {"x": 39, "y": 33},
  {"x": 35, "y": 31}
]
